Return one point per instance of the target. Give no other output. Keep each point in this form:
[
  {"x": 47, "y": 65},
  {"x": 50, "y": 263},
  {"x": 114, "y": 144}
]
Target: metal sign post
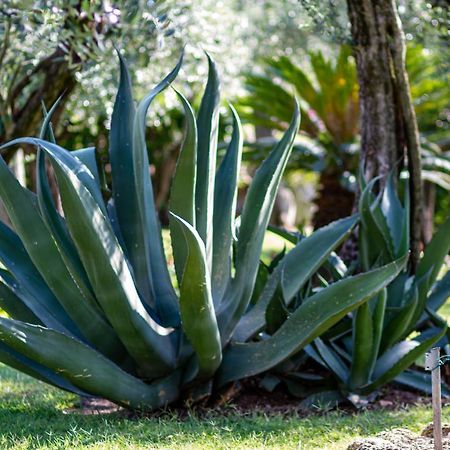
[{"x": 432, "y": 363}]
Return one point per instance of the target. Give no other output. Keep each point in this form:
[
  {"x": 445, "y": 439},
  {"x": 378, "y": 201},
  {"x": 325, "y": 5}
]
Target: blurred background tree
[{"x": 267, "y": 50}]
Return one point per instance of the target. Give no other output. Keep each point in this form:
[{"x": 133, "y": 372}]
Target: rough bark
[{"x": 389, "y": 133}]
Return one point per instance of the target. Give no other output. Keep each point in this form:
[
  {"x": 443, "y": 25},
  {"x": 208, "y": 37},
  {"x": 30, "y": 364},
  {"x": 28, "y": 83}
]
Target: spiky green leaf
[
  {"x": 310, "y": 320},
  {"x": 225, "y": 196},
  {"x": 196, "y": 305},
  {"x": 182, "y": 193}
]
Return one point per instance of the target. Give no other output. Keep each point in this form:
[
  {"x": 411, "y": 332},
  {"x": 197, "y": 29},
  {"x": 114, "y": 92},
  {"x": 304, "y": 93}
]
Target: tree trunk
[
  {"x": 389, "y": 133},
  {"x": 162, "y": 181},
  {"x": 333, "y": 201},
  {"x": 57, "y": 79},
  {"x": 429, "y": 194}
]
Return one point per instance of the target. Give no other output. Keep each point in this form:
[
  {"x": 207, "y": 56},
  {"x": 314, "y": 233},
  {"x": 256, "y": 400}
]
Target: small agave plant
[
  {"x": 92, "y": 308},
  {"x": 388, "y": 334}
]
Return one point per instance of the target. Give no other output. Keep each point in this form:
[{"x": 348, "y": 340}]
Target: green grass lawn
[{"x": 32, "y": 416}]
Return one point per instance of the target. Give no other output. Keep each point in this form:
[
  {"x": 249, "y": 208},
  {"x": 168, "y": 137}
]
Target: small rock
[
  {"x": 373, "y": 444},
  {"x": 428, "y": 431},
  {"x": 397, "y": 439}
]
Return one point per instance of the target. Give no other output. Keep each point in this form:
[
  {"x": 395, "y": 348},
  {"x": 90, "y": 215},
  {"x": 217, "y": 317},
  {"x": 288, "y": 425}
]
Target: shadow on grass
[{"x": 41, "y": 427}]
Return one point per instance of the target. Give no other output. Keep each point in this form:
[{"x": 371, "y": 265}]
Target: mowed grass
[{"x": 32, "y": 416}]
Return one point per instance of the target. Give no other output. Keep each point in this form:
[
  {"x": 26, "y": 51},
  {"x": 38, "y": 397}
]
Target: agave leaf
[
  {"x": 404, "y": 238},
  {"x": 46, "y": 128},
  {"x": 398, "y": 326},
  {"x": 122, "y": 173},
  {"x": 45, "y": 255},
  {"x": 182, "y": 194},
  {"x": 367, "y": 335},
  {"x": 277, "y": 258},
  {"x": 49, "y": 212},
  {"x": 36, "y": 294},
  {"x": 149, "y": 258},
  {"x": 11, "y": 303},
  {"x": 85, "y": 368},
  {"x": 420, "y": 381},
  {"x": 108, "y": 271},
  {"x": 398, "y": 358},
  {"x": 299, "y": 265},
  {"x": 362, "y": 346},
  {"x": 88, "y": 156},
  {"x": 381, "y": 222},
  {"x": 255, "y": 319},
  {"x": 440, "y": 293},
  {"x": 293, "y": 237},
  {"x": 306, "y": 258},
  {"x": 373, "y": 242},
  {"x": 58, "y": 229},
  {"x": 66, "y": 247},
  {"x": 423, "y": 288},
  {"x": 261, "y": 280},
  {"x": 310, "y": 320},
  {"x": 133, "y": 197},
  {"x": 332, "y": 360},
  {"x": 378, "y": 314},
  {"x": 312, "y": 352},
  {"x": 393, "y": 211},
  {"x": 336, "y": 266},
  {"x": 334, "y": 263},
  {"x": 35, "y": 370},
  {"x": 276, "y": 312},
  {"x": 225, "y": 195},
  {"x": 254, "y": 219},
  {"x": 196, "y": 304},
  {"x": 269, "y": 382},
  {"x": 436, "y": 319},
  {"x": 435, "y": 253},
  {"x": 207, "y": 127}
]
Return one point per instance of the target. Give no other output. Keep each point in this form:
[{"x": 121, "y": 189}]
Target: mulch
[{"x": 247, "y": 398}]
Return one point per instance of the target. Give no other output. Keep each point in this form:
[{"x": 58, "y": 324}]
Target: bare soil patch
[{"x": 248, "y": 398}]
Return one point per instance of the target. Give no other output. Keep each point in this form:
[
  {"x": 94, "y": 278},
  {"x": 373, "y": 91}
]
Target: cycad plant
[
  {"x": 92, "y": 308},
  {"x": 329, "y": 102}
]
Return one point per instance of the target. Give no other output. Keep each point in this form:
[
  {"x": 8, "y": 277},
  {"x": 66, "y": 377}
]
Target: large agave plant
[{"x": 92, "y": 307}]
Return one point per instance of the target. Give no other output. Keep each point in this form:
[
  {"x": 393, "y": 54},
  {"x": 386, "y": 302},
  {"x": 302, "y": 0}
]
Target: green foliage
[
  {"x": 430, "y": 81},
  {"x": 381, "y": 346},
  {"x": 331, "y": 94},
  {"x": 92, "y": 305},
  {"x": 329, "y": 102}
]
